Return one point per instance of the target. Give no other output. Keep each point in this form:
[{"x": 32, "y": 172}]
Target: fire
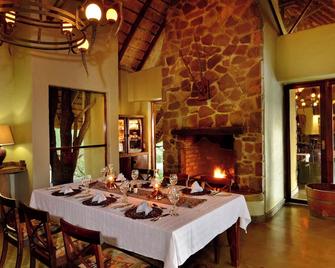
[{"x": 219, "y": 173}]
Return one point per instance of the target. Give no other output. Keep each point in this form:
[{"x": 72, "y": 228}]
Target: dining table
[{"x": 170, "y": 239}]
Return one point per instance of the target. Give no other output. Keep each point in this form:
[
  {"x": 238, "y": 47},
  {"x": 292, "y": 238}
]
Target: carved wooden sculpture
[{"x": 200, "y": 85}]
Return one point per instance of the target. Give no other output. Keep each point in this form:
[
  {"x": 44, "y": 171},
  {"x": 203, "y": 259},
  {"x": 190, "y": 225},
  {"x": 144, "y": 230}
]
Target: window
[{"x": 77, "y": 132}]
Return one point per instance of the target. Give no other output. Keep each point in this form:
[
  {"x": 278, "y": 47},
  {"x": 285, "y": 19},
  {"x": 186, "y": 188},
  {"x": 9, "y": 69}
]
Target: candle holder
[
  {"x": 110, "y": 183},
  {"x": 156, "y": 193}
]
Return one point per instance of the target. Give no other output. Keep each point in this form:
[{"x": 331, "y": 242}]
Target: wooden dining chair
[
  {"x": 44, "y": 246},
  {"x": 93, "y": 255},
  {"x": 13, "y": 228}
]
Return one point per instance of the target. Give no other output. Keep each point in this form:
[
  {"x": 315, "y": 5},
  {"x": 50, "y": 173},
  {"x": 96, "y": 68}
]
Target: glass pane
[
  {"x": 135, "y": 139},
  {"x": 122, "y": 136},
  {"x": 76, "y": 118},
  {"x": 90, "y": 161},
  {"x": 159, "y": 157},
  {"x": 333, "y": 98},
  {"x": 305, "y": 139},
  {"x": 81, "y": 114}
]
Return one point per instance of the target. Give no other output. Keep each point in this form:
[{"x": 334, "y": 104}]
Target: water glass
[
  {"x": 173, "y": 196},
  {"x": 173, "y": 179}
]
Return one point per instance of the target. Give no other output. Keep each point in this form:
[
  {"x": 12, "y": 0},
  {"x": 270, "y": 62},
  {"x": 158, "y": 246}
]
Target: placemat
[
  {"x": 109, "y": 200},
  {"x": 184, "y": 201},
  {"x": 131, "y": 213},
  {"x": 58, "y": 193},
  {"x": 188, "y": 191}
]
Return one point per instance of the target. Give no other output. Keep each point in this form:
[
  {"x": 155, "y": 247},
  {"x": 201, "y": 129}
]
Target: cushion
[{"x": 117, "y": 259}]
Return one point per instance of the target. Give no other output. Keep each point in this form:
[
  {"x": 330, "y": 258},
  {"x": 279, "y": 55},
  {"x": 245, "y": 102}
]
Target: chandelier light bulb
[
  {"x": 84, "y": 46},
  {"x": 303, "y": 104},
  {"x": 319, "y": 96},
  {"x": 10, "y": 17},
  {"x": 67, "y": 27},
  {"x": 315, "y": 104},
  {"x": 93, "y": 12},
  {"x": 111, "y": 15},
  {"x": 313, "y": 95}
]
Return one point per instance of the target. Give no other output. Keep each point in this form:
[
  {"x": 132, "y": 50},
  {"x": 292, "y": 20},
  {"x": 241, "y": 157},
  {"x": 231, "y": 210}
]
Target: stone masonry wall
[{"x": 225, "y": 37}]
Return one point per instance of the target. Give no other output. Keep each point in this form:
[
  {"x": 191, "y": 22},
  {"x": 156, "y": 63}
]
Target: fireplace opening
[{"x": 208, "y": 155}]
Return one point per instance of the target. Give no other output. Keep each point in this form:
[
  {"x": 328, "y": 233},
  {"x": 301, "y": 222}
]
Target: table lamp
[{"x": 6, "y": 138}]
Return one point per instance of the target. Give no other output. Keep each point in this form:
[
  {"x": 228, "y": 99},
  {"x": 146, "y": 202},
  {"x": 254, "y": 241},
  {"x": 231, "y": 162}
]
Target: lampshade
[{"x": 6, "y": 137}]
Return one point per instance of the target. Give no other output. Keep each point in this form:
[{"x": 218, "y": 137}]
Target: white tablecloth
[{"x": 171, "y": 239}]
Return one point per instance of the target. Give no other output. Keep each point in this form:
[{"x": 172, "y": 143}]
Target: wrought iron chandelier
[{"x": 47, "y": 25}]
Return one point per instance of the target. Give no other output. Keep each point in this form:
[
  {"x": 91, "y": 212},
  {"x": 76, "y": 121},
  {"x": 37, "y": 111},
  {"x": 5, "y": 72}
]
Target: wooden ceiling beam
[
  {"x": 151, "y": 46},
  {"x": 300, "y": 18},
  {"x": 134, "y": 28},
  {"x": 277, "y": 15}
]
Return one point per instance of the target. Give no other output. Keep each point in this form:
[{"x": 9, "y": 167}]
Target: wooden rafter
[
  {"x": 151, "y": 46},
  {"x": 277, "y": 15},
  {"x": 134, "y": 28},
  {"x": 300, "y": 18}
]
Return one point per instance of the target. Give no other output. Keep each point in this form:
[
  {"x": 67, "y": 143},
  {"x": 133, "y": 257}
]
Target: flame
[{"x": 219, "y": 173}]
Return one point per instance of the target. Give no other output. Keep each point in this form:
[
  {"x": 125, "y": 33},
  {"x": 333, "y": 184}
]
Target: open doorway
[
  {"x": 157, "y": 133},
  {"x": 309, "y": 136}
]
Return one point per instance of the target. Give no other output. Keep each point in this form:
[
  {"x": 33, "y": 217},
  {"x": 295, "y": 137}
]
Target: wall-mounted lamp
[{"x": 6, "y": 138}]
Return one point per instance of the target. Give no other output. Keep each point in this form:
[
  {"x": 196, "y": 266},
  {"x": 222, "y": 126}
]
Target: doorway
[
  {"x": 309, "y": 136},
  {"x": 157, "y": 136}
]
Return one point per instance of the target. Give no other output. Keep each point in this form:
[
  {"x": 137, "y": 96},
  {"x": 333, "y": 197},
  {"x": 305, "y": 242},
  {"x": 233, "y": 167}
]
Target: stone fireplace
[
  {"x": 213, "y": 47},
  {"x": 201, "y": 151}
]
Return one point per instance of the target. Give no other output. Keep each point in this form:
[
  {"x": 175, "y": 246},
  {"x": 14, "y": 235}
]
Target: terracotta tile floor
[{"x": 291, "y": 239}]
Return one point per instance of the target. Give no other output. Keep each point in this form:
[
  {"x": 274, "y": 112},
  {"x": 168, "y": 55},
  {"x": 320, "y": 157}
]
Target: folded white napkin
[
  {"x": 121, "y": 177},
  {"x": 196, "y": 188},
  {"x": 144, "y": 207},
  {"x": 66, "y": 189},
  {"x": 99, "y": 197}
]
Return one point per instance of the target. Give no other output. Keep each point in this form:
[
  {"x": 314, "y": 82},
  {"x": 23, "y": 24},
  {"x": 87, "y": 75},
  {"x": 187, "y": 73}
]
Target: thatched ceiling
[
  {"x": 143, "y": 22},
  {"x": 298, "y": 15}
]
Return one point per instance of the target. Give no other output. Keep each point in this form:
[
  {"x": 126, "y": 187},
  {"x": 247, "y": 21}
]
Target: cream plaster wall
[
  {"x": 273, "y": 122},
  {"x": 67, "y": 71},
  {"x": 306, "y": 55},
  {"x": 24, "y": 84},
  {"x": 15, "y": 110}
]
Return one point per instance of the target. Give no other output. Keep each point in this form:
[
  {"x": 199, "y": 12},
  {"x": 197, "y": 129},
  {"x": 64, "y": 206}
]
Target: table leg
[
  {"x": 217, "y": 249},
  {"x": 233, "y": 235}
]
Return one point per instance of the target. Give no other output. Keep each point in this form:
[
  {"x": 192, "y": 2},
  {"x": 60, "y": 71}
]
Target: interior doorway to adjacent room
[{"x": 309, "y": 136}]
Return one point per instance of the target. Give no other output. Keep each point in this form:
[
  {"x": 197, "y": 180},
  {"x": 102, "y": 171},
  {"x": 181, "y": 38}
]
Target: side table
[{"x": 7, "y": 176}]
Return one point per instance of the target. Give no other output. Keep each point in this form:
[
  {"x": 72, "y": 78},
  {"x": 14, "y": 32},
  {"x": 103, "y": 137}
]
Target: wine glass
[
  {"x": 173, "y": 196},
  {"x": 86, "y": 181},
  {"x": 173, "y": 179},
  {"x": 124, "y": 187},
  {"x": 134, "y": 176}
]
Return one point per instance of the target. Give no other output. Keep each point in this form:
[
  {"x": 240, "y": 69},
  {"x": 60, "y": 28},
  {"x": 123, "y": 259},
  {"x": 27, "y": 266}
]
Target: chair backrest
[
  {"x": 75, "y": 251},
  {"x": 40, "y": 239},
  {"x": 10, "y": 220}
]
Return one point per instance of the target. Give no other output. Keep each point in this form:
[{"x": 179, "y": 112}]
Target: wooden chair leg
[
  {"x": 4, "y": 252},
  {"x": 19, "y": 257},
  {"x": 32, "y": 262}
]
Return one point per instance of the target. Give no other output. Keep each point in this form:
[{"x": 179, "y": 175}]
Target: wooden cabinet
[
  {"x": 130, "y": 134},
  {"x": 128, "y": 162},
  {"x": 131, "y": 144}
]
